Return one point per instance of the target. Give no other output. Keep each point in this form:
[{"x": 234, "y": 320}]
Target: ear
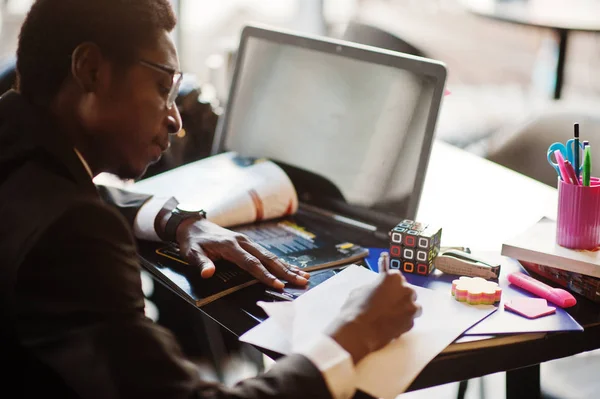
[{"x": 86, "y": 66}]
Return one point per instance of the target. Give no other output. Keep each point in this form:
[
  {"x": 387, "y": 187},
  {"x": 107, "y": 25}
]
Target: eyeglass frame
[{"x": 176, "y": 76}]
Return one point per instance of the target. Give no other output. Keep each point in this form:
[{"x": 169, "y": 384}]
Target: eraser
[{"x": 476, "y": 291}]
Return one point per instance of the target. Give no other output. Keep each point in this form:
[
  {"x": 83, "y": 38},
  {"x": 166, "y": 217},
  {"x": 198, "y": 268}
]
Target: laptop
[{"x": 352, "y": 125}]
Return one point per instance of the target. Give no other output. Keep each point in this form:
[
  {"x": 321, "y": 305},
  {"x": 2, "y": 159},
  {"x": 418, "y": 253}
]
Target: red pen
[
  {"x": 564, "y": 175},
  {"x": 571, "y": 173}
]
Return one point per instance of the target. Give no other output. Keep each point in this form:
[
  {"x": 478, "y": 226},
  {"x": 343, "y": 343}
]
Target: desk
[
  {"x": 479, "y": 204},
  {"x": 560, "y": 16}
]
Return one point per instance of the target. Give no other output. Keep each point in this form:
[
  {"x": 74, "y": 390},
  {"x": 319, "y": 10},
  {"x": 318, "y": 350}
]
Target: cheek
[
  {"x": 135, "y": 126},
  {"x": 124, "y": 127}
]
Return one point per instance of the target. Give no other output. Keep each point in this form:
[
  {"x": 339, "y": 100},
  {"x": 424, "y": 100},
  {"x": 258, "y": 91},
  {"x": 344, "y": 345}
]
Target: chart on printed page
[{"x": 304, "y": 247}]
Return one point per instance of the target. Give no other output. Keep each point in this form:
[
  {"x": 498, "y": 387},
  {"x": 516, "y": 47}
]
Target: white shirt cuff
[
  {"x": 334, "y": 363},
  {"x": 143, "y": 226}
]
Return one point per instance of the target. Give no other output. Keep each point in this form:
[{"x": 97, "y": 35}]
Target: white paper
[{"x": 389, "y": 371}]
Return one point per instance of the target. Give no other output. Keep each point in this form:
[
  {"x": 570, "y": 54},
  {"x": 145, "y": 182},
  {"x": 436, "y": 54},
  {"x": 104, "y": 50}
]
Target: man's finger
[
  {"x": 419, "y": 311},
  {"x": 298, "y": 271},
  {"x": 197, "y": 257},
  {"x": 274, "y": 264},
  {"x": 266, "y": 256},
  {"x": 252, "y": 265},
  {"x": 207, "y": 267}
]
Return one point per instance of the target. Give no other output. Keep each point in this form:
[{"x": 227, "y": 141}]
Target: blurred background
[
  {"x": 520, "y": 74},
  {"x": 502, "y": 68}
]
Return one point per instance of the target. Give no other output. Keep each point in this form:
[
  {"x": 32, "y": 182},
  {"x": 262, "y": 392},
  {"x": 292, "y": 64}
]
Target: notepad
[{"x": 531, "y": 308}]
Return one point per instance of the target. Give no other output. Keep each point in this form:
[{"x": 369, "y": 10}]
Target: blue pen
[{"x": 576, "y": 150}]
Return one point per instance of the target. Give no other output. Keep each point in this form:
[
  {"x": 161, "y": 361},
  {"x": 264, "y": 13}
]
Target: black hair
[{"x": 54, "y": 28}]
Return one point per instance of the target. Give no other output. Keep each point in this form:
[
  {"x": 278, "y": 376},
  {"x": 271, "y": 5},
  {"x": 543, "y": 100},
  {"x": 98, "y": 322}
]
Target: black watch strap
[
  {"x": 177, "y": 216},
  {"x": 163, "y": 214}
]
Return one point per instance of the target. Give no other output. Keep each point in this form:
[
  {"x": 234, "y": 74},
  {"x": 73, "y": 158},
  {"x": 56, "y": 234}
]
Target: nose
[{"x": 174, "y": 120}]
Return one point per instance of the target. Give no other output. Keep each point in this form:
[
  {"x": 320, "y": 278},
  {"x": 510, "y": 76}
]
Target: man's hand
[
  {"x": 202, "y": 242},
  {"x": 374, "y": 315}
]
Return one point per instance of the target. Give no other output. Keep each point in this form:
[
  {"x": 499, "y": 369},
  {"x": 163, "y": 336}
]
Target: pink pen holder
[{"x": 578, "y": 219}]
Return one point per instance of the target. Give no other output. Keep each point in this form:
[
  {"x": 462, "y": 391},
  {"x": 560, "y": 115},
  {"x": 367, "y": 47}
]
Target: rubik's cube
[{"x": 414, "y": 246}]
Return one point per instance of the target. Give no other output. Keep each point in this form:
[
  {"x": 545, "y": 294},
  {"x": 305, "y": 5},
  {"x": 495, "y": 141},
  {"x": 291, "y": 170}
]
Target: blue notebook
[{"x": 502, "y": 321}]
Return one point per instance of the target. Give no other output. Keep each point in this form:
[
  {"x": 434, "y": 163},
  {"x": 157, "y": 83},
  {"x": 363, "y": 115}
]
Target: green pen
[{"x": 587, "y": 165}]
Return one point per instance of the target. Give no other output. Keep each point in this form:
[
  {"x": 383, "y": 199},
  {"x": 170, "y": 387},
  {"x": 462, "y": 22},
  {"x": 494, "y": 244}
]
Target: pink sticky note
[
  {"x": 446, "y": 92},
  {"x": 529, "y": 307}
]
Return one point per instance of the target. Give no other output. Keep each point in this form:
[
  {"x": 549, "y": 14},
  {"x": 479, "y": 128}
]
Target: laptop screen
[{"x": 360, "y": 118}]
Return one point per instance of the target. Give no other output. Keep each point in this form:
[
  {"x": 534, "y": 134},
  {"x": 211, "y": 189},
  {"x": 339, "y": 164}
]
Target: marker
[
  {"x": 576, "y": 150},
  {"x": 587, "y": 165},
  {"x": 585, "y": 143},
  {"x": 571, "y": 173},
  {"x": 383, "y": 263},
  {"x": 561, "y": 166},
  {"x": 557, "y": 296}
]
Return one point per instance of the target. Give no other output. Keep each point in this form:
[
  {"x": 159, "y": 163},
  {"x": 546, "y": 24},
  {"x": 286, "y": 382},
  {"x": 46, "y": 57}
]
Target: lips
[
  {"x": 156, "y": 150},
  {"x": 162, "y": 144}
]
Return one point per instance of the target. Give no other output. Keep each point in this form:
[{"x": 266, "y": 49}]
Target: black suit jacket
[{"x": 70, "y": 287}]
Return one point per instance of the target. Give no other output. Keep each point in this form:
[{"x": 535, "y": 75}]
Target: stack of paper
[{"x": 389, "y": 371}]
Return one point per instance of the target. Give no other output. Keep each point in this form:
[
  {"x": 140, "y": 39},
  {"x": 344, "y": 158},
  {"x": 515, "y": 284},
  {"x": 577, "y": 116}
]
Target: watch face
[{"x": 189, "y": 207}]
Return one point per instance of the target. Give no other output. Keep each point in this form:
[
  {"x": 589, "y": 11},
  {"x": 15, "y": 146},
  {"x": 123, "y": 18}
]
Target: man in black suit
[{"x": 96, "y": 86}]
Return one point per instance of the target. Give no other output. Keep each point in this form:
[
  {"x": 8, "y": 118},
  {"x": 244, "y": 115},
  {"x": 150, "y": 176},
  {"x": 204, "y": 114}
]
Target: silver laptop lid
[{"x": 362, "y": 118}]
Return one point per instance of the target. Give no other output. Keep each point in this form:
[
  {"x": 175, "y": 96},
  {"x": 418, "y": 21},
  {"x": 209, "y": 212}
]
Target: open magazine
[
  {"x": 233, "y": 190},
  {"x": 312, "y": 254},
  {"x": 254, "y": 197}
]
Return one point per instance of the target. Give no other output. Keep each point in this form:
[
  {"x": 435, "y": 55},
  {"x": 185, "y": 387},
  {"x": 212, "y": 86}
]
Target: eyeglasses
[{"x": 177, "y": 77}]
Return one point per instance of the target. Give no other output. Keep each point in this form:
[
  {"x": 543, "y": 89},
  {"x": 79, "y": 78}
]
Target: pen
[
  {"x": 383, "y": 263},
  {"x": 571, "y": 172},
  {"x": 576, "y": 150},
  {"x": 587, "y": 165}
]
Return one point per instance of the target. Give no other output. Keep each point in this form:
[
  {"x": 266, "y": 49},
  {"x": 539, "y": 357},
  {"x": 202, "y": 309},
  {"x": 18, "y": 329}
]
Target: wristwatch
[{"x": 182, "y": 211}]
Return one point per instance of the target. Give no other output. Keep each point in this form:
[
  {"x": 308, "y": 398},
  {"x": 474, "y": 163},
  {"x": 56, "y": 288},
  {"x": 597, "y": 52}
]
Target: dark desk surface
[
  {"x": 503, "y": 204},
  {"x": 481, "y": 219},
  {"x": 238, "y": 313}
]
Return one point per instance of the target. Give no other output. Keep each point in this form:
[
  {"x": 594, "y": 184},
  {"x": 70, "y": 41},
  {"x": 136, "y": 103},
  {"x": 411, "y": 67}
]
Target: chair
[
  {"x": 523, "y": 147},
  {"x": 362, "y": 33}
]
